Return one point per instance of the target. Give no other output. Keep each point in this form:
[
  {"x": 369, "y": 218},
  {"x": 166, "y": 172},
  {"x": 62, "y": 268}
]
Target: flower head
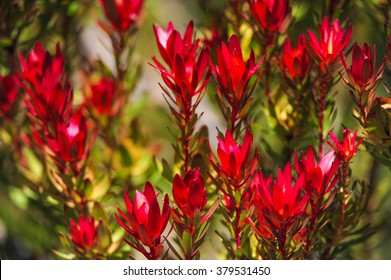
[
  {"x": 232, "y": 73},
  {"x": 347, "y": 148},
  {"x": 84, "y": 233},
  {"x": 270, "y": 14},
  {"x": 234, "y": 162},
  {"x": 331, "y": 43},
  {"x": 144, "y": 220},
  {"x": 170, "y": 42},
  {"x": 320, "y": 177},
  {"x": 189, "y": 192},
  {"x": 103, "y": 97},
  {"x": 361, "y": 71},
  {"x": 49, "y": 95},
  {"x": 188, "y": 68},
  {"x": 70, "y": 142},
  {"x": 295, "y": 62},
  {"x": 122, "y": 13},
  {"x": 281, "y": 199}
]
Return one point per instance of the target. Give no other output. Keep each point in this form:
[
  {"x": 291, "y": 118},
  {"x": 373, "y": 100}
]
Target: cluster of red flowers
[
  {"x": 48, "y": 96},
  {"x": 278, "y": 210}
]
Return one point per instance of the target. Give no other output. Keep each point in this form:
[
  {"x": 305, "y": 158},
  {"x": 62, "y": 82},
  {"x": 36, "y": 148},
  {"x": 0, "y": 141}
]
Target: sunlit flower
[
  {"x": 188, "y": 71},
  {"x": 232, "y": 73},
  {"x": 70, "y": 142},
  {"x": 281, "y": 200},
  {"x": 234, "y": 161},
  {"x": 331, "y": 43},
  {"x": 320, "y": 177},
  {"x": 347, "y": 147},
  {"x": 144, "y": 219}
]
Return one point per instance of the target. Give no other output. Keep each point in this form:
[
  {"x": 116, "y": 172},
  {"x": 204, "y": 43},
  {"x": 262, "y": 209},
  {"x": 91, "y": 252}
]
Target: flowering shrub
[{"x": 298, "y": 167}]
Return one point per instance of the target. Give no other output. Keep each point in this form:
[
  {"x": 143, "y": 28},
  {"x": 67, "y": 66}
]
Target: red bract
[
  {"x": 170, "y": 42},
  {"x": 69, "y": 143},
  {"x": 232, "y": 73},
  {"x": 320, "y": 178},
  {"x": 43, "y": 79},
  {"x": 188, "y": 72},
  {"x": 362, "y": 68},
  {"x": 189, "y": 192},
  {"x": 103, "y": 94},
  {"x": 84, "y": 234},
  {"x": 347, "y": 148},
  {"x": 144, "y": 220},
  {"x": 331, "y": 43},
  {"x": 281, "y": 201},
  {"x": 234, "y": 162},
  {"x": 186, "y": 78},
  {"x": 8, "y": 93},
  {"x": 295, "y": 62},
  {"x": 122, "y": 13},
  {"x": 40, "y": 67},
  {"x": 271, "y": 14}
]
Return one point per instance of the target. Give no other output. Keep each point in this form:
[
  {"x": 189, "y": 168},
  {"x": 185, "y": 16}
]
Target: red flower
[
  {"x": 232, "y": 73},
  {"x": 347, "y": 148},
  {"x": 295, "y": 62},
  {"x": 319, "y": 178},
  {"x": 271, "y": 14},
  {"x": 8, "y": 93},
  {"x": 171, "y": 43},
  {"x": 234, "y": 162},
  {"x": 41, "y": 69},
  {"x": 186, "y": 78},
  {"x": 280, "y": 201},
  {"x": 84, "y": 234},
  {"x": 361, "y": 71},
  {"x": 122, "y": 13},
  {"x": 70, "y": 140},
  {"x": 189, "y": 193},
  {"x": 187, "y": 68},
  {"x": 103, "y": 97},
  {"x": 144, "y": 219},
  {"x": 43, "y": 79},
  {"x": 332, "y": 41}
]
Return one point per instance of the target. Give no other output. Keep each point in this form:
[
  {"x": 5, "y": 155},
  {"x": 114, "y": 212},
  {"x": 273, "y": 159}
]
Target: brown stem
[
  {"x": 338, "y": 235},
  {"x": 311, "y": 228},
  {"x": 322, "y": 108},
  {"x": 281, "y": 243},
  {"x": 267, "y": 79},
  {"x": 186, "y": 136}
]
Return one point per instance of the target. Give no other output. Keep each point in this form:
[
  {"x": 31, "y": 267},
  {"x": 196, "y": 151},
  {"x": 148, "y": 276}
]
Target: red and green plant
[{"x": 84, "y": 151}]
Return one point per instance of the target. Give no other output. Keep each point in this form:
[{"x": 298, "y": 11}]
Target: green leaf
[
  {"x": 172, "y": 248},
  {"x": 187, "y": 243},
  {"x": 125, "y": 156},
  {"x": 99, "y": 213},
  {"x": 167, "y": 171}
]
